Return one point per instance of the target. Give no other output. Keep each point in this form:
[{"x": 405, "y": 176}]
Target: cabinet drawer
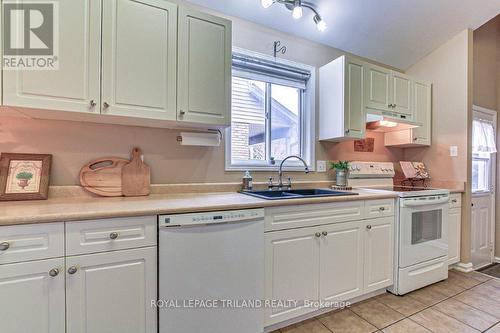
[
  {"x": 31, "y": 242},
  {"x": 455, "y": 200},
  {"x": 288, "y": 217},
  {"x": 109, "y": 235},
  {"x": 379, "y": 208}
]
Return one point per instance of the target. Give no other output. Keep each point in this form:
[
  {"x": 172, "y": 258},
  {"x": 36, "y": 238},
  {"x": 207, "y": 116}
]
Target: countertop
[{"x": 87, "y": 208}]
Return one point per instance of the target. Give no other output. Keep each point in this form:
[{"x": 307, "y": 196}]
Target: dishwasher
[{"x": 211, "y": 272}]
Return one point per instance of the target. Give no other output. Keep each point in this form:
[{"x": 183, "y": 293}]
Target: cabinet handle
[
  {"x": 113, "y": 235},
  {"x": 318, "y": 234},
  {"x": 381, "y": 209},
  {"x": 347, "y": 131},
  {"x": 454, "y": 200},
  {"x": 72, "y": 270},
  {"x": 92, "y": 103},
  {"x": 182, "y": 112},
  {"x": 369, "y": 227},
  {"x": 4, "y": 246},
  {"x": 105, "y": 104},
  {"x": 325, "y": 233},
  {"x": 54, "y": 272},
  {"x": 415, "y": 139}
]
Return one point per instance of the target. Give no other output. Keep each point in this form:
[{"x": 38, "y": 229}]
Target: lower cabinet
[
  {"x": 334, "y": 262},
  {"x": 32, "y": 295},
  {"x": 112, "y": 292}
]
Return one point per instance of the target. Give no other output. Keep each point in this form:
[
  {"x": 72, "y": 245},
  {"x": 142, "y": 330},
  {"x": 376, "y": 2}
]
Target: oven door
[{"x": 423, "y": 232}]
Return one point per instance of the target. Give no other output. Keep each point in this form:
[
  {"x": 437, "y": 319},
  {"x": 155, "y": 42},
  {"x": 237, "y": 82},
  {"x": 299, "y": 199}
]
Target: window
[
  {"x": 271, "y": 115},
  {"x": 483, "y": 148}
]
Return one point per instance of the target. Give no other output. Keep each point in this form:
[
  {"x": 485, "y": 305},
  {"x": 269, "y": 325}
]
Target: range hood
[{"x": 380, "y": 121}]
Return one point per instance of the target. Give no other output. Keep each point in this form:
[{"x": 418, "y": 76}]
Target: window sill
[{"x": 273, "y": 168}]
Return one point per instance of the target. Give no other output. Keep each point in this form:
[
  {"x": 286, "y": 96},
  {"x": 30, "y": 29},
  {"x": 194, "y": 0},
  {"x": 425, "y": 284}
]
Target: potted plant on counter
[{"x": 341, "y": 168}]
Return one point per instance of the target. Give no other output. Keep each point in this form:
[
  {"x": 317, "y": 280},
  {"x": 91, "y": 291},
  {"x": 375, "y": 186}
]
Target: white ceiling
[{"x": 395, "y": 32}]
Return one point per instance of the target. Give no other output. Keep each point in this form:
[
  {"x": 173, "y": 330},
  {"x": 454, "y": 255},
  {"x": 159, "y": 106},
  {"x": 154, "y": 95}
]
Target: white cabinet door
[
  {"x": 291, "y": 272},
  {"x": 74, "y": 86},
  {"x": 401, "y": 93},
  {"x": 454, "y": 225},
  {"x": 111, "y": 292},
  {"x": 32, "y": 300},
  {"x": 377, "y": 87},
  {"x": 139, "y": 58},
  {"x": 204, "y": 82},
  {"x": 422, "y": 108},
  {"x": 378, "y": 253},
  {"x": 354, "y": 108},
  {"x": 341, "y": 263}
]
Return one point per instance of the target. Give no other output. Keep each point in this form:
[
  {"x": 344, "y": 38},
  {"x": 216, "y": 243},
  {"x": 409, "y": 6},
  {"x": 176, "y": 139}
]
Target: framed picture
[{"x": 24, "y": 176}]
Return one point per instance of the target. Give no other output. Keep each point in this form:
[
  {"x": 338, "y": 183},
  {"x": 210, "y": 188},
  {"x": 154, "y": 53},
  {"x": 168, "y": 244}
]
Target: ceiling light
[
  {"x": 266, "y": 3},
  {"x": 297, "y": 12},
  {"x": 297, "y": 8},
  {"x": 320, "y": 24}
]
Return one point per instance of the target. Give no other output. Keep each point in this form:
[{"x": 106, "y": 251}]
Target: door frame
[{"x": 490, "y": 115}]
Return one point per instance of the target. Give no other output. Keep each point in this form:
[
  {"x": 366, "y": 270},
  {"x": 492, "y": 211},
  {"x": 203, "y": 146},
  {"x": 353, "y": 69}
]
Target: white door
[
  {"x": 481, "y": 244},
  {"x": 32, "y": 299},
  {"x": 204, "y": 68},
  {"x": 111, "y": 292},
  {"x": 454, "y": 232},
  {"x": 377, "y": 87},
  {"x": 378, "y": 253},
  {"x": 291, "y": 272},
  {"x": 139, "y": 58},
  {"x": 483, "y": 186},
  {"x": 401, "y": 93},
  {"x": 422, "y": 108},
  {"x": 354, "y": 109},
  {"x": 75, "y": 85},
  {"x": 341, "y": 261}
]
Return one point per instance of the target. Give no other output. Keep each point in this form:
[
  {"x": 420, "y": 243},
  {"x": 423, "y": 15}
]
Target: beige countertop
[{"x": 86, "y": 208}]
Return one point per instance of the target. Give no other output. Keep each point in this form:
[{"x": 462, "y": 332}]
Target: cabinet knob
[
  {"x": 415, "y": 139},
  {"x": 347, "y": 131},
  {"x": 92, "y": 103},
  {"x": 325, "y": 233},
  {"x": 381, "y": 209},
  {"x": 72, "y": 270},
  {"x": 369, "y": 227},
  {"x": 182, "y": 112},
  {"x": 4, "y": 246},
  {"x": 105, "y": 105},
  {"x": 454, "y": 200},
  {"x": 113, "y": 235},
  {"x": 318, "y": 234},
  {"x": 54, "y": 272}
]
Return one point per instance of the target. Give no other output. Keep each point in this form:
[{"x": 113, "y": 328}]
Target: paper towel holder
[{"x": 209, "y": 131}]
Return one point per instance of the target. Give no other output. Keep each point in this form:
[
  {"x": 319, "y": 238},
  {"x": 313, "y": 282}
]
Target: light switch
[
  {"x": 321, "y": 166},
  {"x": 453, "y": 151}
]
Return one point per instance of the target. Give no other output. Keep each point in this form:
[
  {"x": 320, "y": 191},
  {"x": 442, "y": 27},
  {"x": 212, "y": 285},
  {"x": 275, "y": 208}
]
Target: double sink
[{"x": 296, "y": 194}]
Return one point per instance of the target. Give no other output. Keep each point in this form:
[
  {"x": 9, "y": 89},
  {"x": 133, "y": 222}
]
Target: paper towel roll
[{"x": 200, "y": 139}]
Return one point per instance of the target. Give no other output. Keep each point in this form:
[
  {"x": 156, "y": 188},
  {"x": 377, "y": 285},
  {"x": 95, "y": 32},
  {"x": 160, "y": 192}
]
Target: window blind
[
  {"x": 483, "y": 137},
  {"x": 253, "y": 68}
]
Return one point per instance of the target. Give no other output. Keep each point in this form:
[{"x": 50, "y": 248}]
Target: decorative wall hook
[{"x": 278, "y": 48}]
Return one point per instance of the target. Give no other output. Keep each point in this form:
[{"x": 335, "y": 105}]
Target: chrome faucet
[{"x": 280, "y": 173}]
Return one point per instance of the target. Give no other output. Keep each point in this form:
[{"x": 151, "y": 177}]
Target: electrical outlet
[
  {"x": 321, "y": 166},
  {"x": 453, "y": 151}
]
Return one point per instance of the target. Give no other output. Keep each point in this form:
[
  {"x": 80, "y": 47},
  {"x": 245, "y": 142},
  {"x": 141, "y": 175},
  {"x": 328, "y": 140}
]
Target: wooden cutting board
[
  {"x": 136, "y": 176},
  {"x": 103, "y": 176}
]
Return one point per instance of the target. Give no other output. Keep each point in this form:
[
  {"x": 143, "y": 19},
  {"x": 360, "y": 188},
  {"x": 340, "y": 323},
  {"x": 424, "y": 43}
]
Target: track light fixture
[{"x": 296, "y": 6}]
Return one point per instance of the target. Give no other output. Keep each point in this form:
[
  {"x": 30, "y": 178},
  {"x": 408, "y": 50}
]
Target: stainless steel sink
[{"x": 296, "y": 194}]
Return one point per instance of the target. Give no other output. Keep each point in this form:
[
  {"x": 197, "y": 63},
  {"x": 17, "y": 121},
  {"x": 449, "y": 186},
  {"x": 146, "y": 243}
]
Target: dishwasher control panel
[{"x": 210, "y": 217}]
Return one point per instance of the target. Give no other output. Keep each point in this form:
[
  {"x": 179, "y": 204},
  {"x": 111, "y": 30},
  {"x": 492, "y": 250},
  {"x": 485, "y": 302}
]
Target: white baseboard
[
  {"x": 463, "y": 267},
  {"x": 316, "y": 313}
]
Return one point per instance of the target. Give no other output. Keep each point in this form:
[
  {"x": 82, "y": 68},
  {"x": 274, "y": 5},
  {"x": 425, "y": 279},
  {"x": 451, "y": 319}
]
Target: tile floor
[{"x": 465, "y": 302}]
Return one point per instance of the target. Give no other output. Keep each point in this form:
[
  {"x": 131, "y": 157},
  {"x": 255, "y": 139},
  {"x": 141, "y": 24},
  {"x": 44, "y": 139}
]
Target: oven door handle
[{"x": 426, "y": 202}]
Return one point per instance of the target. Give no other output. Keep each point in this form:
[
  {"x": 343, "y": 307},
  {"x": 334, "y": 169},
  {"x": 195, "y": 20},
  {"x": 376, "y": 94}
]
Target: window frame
[
  {"x": 489, "y": 170},
  {"x": 307, "y": 130}
]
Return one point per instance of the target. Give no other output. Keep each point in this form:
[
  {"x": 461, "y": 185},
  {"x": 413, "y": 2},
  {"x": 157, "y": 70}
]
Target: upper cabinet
[
  {"x": 138, "y": 59},
  {"x": 422, "y": 109},
  {"x": 204, "y": 68},
  {"x": 351, "y": 89},
  {"x": 162, "y": 65},
  {"x": 342, "y": 110},
  {"x": 75, "y": 86}
]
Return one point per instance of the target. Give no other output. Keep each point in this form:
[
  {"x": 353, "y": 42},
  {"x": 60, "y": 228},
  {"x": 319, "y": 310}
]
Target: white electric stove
[{"x": 421, "y": 228}]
